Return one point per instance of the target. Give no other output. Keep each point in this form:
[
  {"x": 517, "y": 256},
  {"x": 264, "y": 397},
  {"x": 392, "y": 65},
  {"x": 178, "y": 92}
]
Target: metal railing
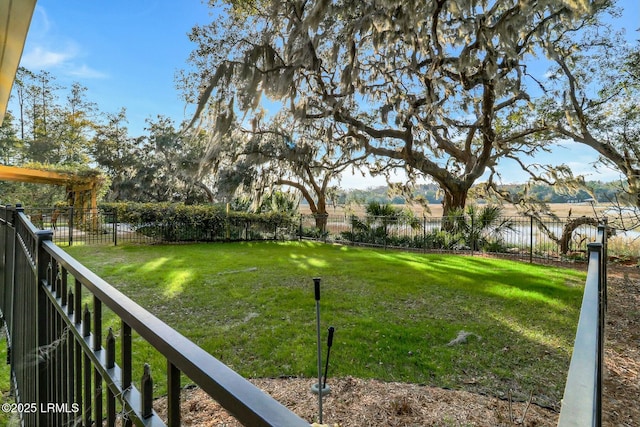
[
  {"x": 516, "y": 237},
  {"x": 72, "y": 226},
  {"x": 582, "y": 401},
  {"x": 67, "y": 369}
]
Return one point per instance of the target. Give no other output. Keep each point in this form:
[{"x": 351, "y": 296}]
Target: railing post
[
  {"x": 86, "y": 331},
  {"x": 173, "y": 395},
  {"x": 8, "y": 263},
  {"x": 14, "y": 220},
  {"x": 110, "y": 364},
  {"x": 599, "y": 249},
  {"x": 146, "y": 391},
  {"x": 603, "y": 228},
  {"x": 42, "y": 266}
]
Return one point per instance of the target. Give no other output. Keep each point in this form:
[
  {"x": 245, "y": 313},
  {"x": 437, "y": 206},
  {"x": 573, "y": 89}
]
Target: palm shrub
[
  {"x": 478, "y": 228},
  {"x": 375, "y": 227}
]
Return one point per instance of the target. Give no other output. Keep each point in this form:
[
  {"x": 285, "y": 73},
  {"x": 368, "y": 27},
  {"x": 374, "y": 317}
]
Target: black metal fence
[
  {"x": 102, "y": 226},
  {"x": 582, "y": 401},
  {"x": 525, "y": 238},
  {"x": 67, "y": 368}
]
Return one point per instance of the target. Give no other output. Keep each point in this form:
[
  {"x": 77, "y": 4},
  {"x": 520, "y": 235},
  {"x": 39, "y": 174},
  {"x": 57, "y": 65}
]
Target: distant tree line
[{"x": 601, "y": 192}]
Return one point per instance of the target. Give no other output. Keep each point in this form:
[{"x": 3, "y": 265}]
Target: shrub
[{"x": 177, "y": 222}]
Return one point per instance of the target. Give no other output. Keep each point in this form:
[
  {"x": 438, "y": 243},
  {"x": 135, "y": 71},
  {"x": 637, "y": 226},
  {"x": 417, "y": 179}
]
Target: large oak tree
[{"x": 436, "y": 87}]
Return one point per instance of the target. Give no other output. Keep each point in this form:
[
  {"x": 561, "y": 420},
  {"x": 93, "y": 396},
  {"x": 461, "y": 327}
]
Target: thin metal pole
[
  {"x": 316, "y": 282},
  {"x": 531, "y": 239},
  {"x": 326, "y": 366}
]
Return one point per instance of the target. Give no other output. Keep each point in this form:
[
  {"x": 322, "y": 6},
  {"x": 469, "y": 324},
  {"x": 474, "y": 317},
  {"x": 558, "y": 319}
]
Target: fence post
[
  {"x": 473, "y": 236},
  {"x": 227, "y": 225},
  {"x": 530, "y": 239},
  {"x": 71, "y": 215},
  {"x": 385, "y": 225},
  {"x": 43, "y": 322},
  {"x": 115, "y": 227},
  {"x": 424, "y": 233},
  {"x": 14, "y": 220},
  {"x": 9, "y": 273},
  {"x": 6, "y": 299},
  {"x": 353, "y": 236},
  {"x": 605, "y": 256},
  {"x": 146, "y": 391},
  {"x": 300, "y": 229},
  {"x": 325, "y": 221},
  {"x": 603, "y": 297},
  {"x": 599, "y": 248}
]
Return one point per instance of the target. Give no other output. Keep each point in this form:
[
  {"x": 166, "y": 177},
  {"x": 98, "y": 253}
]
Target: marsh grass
[{"x": 251, "y": 305}]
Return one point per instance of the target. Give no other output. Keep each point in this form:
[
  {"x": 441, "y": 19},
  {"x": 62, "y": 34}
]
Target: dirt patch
[{"x": 357, "y": 402}]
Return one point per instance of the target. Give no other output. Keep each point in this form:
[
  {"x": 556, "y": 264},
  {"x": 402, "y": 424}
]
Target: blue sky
[{"x": 126, "y": 52}]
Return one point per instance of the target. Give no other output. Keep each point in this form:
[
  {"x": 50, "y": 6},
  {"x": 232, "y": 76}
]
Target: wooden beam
[
  {"x": 74, "y": 184},
  {"x": 11, "y": 173}
]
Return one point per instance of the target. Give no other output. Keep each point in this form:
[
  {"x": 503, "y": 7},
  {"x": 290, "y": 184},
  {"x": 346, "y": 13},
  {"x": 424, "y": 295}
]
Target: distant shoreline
[{"x": 560, "y": 209}]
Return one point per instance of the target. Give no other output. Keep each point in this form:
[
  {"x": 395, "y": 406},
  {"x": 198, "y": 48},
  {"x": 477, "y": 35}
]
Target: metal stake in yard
[
  {"x": 318, "y": 388},
  {"x": 326, "y": 366}
]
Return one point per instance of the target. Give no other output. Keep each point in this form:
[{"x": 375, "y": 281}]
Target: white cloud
[
  {"x": 86, "y": 72},
  {"x": 62, "y": 61},
  {"x": 47, "y": 50},
  {"x": 357, "y": 181},
  {"x": 40, "y": 21},
  {"x": 593, "y": 172},
  {"x": 38, "y": 58}
]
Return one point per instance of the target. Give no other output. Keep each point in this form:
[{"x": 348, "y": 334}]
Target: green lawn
[{"x": 251, "y": 305}]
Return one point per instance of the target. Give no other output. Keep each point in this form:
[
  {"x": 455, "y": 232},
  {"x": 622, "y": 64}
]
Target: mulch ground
[
  {"x": 357, "y": 402},
  {"x": 621, "y": 403}
]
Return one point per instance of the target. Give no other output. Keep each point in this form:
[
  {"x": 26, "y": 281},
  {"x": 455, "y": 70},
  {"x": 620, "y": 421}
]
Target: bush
[
  {"x": 314, "y": 233},
  {"x": 176, "y": 222}
]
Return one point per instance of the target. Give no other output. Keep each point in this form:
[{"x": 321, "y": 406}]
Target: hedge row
[{"x": 136, "y": 213}]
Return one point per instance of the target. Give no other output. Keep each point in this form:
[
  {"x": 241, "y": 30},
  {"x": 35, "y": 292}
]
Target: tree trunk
[
  {"x": 454, "y": 198},
  {"x": 570, "y": 227},
  {"x": 320, "y": 214}
]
